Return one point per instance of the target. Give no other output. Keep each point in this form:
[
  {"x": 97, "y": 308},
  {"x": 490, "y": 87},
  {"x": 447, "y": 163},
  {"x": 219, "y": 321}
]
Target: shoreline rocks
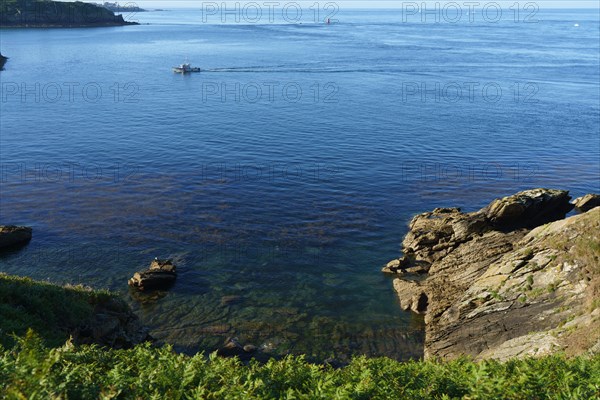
[
  {"x": 587, "y": 202},
  {"x": 12, "y": 236},
  {"x": 233, "y": 348},
  {"x": 528, "y": 209},
  {"x": 500, "y": 281},
  {"x": 412, "y": 295},
  {"x": 160, "y": 275},
  {"x": 113, "y": 325}
]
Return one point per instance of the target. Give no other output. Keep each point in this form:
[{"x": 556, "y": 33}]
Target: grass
[
  {"x": 31, "y": 370},
  {"x": 52, "y": 311},
  {"x": 530, "y": 280},
  {"x": 496, "y": 295}
]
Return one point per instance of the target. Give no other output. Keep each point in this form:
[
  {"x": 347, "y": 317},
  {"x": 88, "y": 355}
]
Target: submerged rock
[
  {"x": 493, "y": 281},
  {"x": 11, "y": 235},
  {"x": 160, "y": 275},
  {"x": 587, "y": 202},
  {"x": 231, "y": 300}
]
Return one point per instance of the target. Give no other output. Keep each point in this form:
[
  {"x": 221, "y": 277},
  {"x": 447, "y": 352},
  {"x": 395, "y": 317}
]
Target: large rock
[
  {"x": 11, "y": 235},
  {"x": 529, "y": 208},
  {"x": 587, "y": 202},
  {"x": 496, "y": 289},
  {"x": 434, "y": 235},
  {"x": 160, "y": 275}
]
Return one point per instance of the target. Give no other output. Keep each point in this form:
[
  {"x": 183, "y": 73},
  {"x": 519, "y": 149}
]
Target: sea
[{"x": 282, "y": 177}]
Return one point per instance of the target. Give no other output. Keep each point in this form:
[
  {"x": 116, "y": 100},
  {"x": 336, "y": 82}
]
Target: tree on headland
[{"x": 46, "y": 13}]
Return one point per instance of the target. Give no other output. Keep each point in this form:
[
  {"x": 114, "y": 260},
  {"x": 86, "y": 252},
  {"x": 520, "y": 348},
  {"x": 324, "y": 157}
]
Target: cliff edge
[{"x": 513, "y": 279}]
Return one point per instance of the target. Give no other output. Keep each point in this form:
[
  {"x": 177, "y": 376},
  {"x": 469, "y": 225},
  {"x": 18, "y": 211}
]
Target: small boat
[{"x": 185, "y": 68}]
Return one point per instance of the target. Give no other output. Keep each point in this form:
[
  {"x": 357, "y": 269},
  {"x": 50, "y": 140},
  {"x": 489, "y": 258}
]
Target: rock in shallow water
[
  {"x": 233, "y": 348},
  {"x": 113, "y": 325},
  {"x": 231, "y": 300},
  {"x": 249, "y": 348},
  {"x": 395, "y": 266},
  {"x": 11, "y": 235},
  {"x": 160, "y": 275}
]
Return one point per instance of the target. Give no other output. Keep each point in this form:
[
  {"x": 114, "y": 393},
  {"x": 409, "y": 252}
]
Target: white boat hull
[{"x": 181, "y": 70}]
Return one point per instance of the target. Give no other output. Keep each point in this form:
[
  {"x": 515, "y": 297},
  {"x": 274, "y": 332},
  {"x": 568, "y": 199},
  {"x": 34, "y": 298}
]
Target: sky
[{"x": 365, "y": 4}]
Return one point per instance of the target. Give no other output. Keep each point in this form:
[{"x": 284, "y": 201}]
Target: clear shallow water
[{"x": 291, "y": 203}]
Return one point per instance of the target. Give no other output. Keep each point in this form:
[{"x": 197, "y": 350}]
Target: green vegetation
[
  {"x": 47, "y": 365},
  {"x": 52, "y": 311},
  {"x": 529, "y": 282},
  {"x": 30, "y": 370},
  {"x": 43, "y": 13},
  {"x": 496, "y": 295}
]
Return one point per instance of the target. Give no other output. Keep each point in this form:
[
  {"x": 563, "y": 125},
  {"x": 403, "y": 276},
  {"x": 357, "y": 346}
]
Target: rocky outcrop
[
  {"x": 11, "y": 235},
  {"x": 495, "y": 287},
  {"x": 160, "y": 275},
  {"x": 412, "y": 295},
  {"x": 434, "y": 235},
  {"x": 113, "y": 325},
  {"x": 528, "y": 209},
  {"x": 587, "y": 202},
  {"x": 44, "y": 14}
]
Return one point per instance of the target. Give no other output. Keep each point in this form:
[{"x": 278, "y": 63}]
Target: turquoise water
[{"x": 282, "y": 177}]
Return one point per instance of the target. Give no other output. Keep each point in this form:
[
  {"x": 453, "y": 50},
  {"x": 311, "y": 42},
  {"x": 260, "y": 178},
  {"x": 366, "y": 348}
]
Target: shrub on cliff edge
[{"x": 31, "y": 370}]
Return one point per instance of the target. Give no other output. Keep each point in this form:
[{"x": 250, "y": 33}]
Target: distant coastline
[{"x": 56, "y": 14}]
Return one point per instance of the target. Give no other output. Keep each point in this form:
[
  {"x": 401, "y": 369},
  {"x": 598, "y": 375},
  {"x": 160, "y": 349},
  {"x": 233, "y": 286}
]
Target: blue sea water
[{"x": 282, "y": 177}]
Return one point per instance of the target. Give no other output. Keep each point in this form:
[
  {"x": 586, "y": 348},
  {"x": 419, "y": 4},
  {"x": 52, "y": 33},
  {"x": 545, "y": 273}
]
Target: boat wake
[{"x": 272, "y": 70}]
